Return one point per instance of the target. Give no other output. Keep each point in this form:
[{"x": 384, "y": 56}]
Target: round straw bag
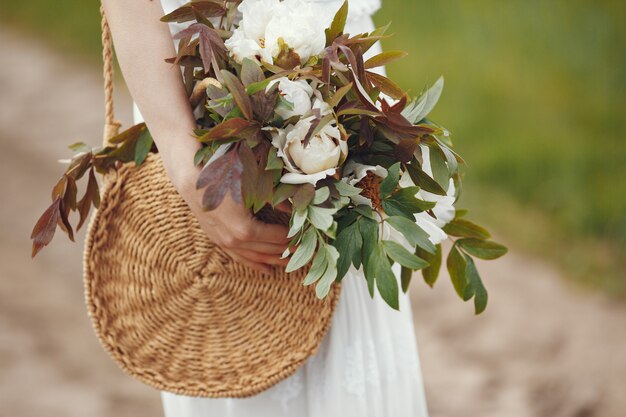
[{"x": 174, "y": 310}]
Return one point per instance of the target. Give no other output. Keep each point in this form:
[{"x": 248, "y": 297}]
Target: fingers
[
  {"x": 262, "y": 257},
  {"x": 268, "y": 233},
  {"x": 285, "y": 207},
  {"x": 258, "y": 266},
  {"x": 265, "y": 248}
]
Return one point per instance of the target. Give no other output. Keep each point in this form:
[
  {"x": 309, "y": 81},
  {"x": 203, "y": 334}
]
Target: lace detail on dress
[
  {"x": 288, "y": 390},
  {"x": 361, "y": 368}
]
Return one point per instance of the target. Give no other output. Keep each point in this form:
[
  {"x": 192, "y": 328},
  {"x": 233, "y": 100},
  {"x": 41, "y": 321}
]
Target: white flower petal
[
  {"x": 435, "y": 233},
  {"x": 295, "y": 178}
]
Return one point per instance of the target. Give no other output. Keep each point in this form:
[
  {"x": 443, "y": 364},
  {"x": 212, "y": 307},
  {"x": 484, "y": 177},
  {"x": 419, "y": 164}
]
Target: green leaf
[
  {"x": 322, "y": 218},
  {"x": 431, "y": 273},
  {"x": 80, "y": 147},
  {"x": 305, "y": 251},
  {"x": 338, "y": 24},
  {"x": 349, "y": 244},
  {"x": 423, "y": 180},
  {"x": 347, "y": 190},
  {"x": 254, "y": 88},
  {"x": 422, "y": 107},
  {"x": 465, "y": 228},
  {"x": 273, "y": 161},
  {"x": 318, "y": 267},
  {"x": 406, "y": 276},
  {"x": 402, "y": 256},
  {"x": 330, "y": 275},
  {"x": 439, "y": 168},
  {"x": 251, "y": 72},
  {"x": 479, "y": 291},
  {"x": 405, "y": 203},
  {"x": 283, "y": 192},
  {"x": 202, "y": 156},
  {"x": 378, "y": 269},
  {"x": 370, "y": 233},
  {"x": 321, "y": 195},
  {"x": 365, "y": 211},
  {"x": 483, "y": 249},
  {"x": 298, "y": 218},
  {"x": 389, "y": 184},
  {"x": 414, "y": 234},
  {"x": 456, "y": 264},
  {"x": 384, "y": 59}
]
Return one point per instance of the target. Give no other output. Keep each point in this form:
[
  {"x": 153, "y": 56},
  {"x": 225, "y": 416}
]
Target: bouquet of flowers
[{"x": 294, "y": 113}]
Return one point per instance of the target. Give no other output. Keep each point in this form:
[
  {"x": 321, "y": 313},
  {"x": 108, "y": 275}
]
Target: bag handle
[{"x": 111, "y": 125}]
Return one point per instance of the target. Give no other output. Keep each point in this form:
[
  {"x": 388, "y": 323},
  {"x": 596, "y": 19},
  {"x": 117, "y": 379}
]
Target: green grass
[{"x": 535, "y": 99}]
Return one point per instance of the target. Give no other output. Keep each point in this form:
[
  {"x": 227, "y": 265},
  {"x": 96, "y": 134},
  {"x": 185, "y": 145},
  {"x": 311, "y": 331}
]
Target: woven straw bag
[{"x": 174, "y": 310}]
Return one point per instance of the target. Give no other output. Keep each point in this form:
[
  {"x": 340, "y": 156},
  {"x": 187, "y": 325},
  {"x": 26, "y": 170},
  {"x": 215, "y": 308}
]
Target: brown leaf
[
  {"x": 92, "y": 196},
  {"x": 221, "y": 176},
  {"x": 64, "y": 221},
  {"x": 128, "y": 134},
  {"x": 71, "y": 190},
  {"x": 384, "y": 59},
  {"x": 231, "y": 128},
  {"x": 239, "y": 93},
  {"x": 366, "y": 134},
  {"x": 204, "y": 8},
  {"x": 303, "y": 196},
  {"x": 385, "y": 85},
  {"x": 59, "y": 189},
  {"x": 249, "y": 174},
  {"x": 405, "y": 149},
  {"x": 44, "y": 229}
]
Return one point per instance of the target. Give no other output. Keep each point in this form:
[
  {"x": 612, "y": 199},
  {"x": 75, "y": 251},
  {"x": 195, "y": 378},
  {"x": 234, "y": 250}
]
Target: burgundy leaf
[
  {"x": 44, "y": 229},
  {"x": 64, "y": 221},
  {"x": 249, "y": 175},
  {"x": 221, "y": 176},
  {"x": 92, "y": 196},
  {"x": 405, "y": 149},
  {"x": 204, "y": 8},
  {"x": 326, "y": 70},
  {"x": 231, "y": 128},
  {"x": 71, "y": 190},
  {"x": 366, "y": 134}
]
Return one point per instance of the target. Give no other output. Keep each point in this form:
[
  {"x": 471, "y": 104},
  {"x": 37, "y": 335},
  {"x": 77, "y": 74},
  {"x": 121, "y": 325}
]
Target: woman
[{"x": 367, "y": 364}]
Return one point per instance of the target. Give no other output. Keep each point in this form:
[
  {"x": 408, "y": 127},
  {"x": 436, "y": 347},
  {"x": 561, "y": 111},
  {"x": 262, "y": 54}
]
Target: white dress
[{"x": 367, "y": 365}]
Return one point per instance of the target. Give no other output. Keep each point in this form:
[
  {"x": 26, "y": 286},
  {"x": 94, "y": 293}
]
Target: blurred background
[{"x": 536, "y": 100}]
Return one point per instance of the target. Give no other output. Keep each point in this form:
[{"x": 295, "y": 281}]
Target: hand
[{"x": 233, "y": 228}]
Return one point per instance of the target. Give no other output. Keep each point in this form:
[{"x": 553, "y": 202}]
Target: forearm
[{"x": 142, "y": 43}]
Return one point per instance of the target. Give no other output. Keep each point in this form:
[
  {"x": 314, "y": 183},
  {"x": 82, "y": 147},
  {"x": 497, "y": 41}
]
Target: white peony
[
  {"x": 312, "y": 163},
  {"x": 265, "y": 24},
  {"x": 298, "y": 93}
]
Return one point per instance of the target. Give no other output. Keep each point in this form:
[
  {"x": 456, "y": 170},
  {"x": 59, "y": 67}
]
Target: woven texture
[{"x": 174, "y": 311}]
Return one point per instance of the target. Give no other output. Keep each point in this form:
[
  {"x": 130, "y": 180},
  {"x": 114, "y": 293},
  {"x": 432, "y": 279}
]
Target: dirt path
[{"x": 542, "y": 349}]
